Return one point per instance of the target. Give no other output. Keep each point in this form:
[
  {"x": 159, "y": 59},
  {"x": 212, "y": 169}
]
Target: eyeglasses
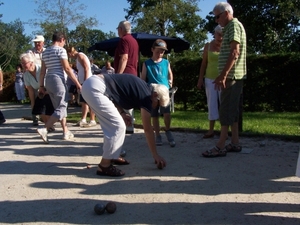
[
  {"x": 25, "y": 63},
  {"x": 218, "y": 16}
]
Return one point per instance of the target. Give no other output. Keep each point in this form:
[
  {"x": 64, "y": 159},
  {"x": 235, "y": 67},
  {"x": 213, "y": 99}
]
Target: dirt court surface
[{"x": 51, "y": 184}]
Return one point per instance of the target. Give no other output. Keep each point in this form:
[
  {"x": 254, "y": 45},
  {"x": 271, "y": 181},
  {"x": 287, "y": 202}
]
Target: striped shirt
[
  {"x": 234, "y": 31},
  {"x": 51, "y": 57}
]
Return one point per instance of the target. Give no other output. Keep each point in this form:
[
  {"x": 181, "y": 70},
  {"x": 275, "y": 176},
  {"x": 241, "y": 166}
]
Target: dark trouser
[{"x": 1, "y": 116}]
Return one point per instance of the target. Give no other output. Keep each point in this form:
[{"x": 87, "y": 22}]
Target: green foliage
[
  {"x": 271, "y": 84},
  {"x": 271, "y": 26},
  {"x": 62, "y": 14},
  {"x": 169, "y": 18},
  {"x": 12, "y": 44}
]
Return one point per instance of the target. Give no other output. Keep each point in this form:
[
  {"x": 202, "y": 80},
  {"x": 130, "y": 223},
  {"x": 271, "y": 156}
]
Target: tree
[
  {"x": 271, "y": 26},
  {"x": 168, "y": 18},
  {"x": 13, "y": 43},
  {"x": 62, "y": 14}
]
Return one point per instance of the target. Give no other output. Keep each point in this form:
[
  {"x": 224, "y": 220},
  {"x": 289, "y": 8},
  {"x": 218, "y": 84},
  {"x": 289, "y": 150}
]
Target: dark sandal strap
[
  {"x": 110, "y": 171},
  {"x": 233, "y": 148}
]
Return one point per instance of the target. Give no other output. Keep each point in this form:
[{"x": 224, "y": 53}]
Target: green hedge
[{"x": 272, "y": 83}]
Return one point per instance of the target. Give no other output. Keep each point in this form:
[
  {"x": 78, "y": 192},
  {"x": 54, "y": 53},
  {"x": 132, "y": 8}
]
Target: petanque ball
[
  {"x": 99, "y": 208},
  {"x": 111, "y": 207},
  {"x": 160, "y": 165}
]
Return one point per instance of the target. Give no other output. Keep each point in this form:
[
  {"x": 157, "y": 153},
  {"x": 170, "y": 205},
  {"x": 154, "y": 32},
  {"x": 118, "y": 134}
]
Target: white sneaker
[
  {"x": 81, "y": 123},
  {"x": 43, "y": 133},
  {"x": 68, "y": 135},
  {"x": 92, "y": 123}
]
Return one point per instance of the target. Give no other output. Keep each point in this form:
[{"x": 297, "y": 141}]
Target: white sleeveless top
[{"x": 81, "y": 68}]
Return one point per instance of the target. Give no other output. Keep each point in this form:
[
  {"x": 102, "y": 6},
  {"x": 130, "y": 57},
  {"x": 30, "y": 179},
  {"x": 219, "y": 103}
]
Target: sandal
[
  {"x": 110, "y": 171},
  {"x": 120, "y": 161},
  {"x": 233, "y": 148},
  {"x": 214, "y": 152}
]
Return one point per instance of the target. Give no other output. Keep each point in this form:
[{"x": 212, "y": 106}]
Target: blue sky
[{"x": 108, "y": 12}]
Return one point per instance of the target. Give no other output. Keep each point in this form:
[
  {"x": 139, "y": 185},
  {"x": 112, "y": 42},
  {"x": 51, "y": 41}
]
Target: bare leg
[
  {"x": 92, "y": 114},
  {"x": 84, "y": 110},
  {"x": 155, "y": 122},
  {"x": 167, "y": 120},
  {"x": 223, "y": 137},
  {"x": 211, "y": 127},
  {"x": 235, "y": 133}
]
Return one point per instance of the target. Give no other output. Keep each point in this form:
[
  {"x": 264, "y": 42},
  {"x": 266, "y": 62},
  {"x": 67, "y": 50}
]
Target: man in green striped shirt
[{"x": 232, "y": 72}]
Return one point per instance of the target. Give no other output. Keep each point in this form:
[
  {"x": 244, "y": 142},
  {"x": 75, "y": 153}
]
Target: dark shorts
[
  {"x": 160, "y": 110},
  {"x": 73, "y": 89},
  {"x": 43, "y": 106},
  {"x": 230, "y": 98},
  {"x": 81, "y": 99}
]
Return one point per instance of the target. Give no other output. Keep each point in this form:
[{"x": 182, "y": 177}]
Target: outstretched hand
[
  {"x": 160, "y": 162},
  {"x": 127, "y": 119}
]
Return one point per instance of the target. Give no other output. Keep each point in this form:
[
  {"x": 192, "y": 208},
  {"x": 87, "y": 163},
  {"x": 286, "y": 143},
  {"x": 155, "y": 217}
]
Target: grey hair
[
  {"x": 28, "y": 56},
  {"x": 223, "y": 6},
  {"x": 162, "y": 93},
  {"x": 126, "y": 26},
  {"x": 219, "y": 29}
]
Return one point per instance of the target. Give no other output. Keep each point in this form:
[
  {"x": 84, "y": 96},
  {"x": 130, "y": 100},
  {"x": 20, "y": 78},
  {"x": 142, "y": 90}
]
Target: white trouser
[
  {"x": 110, "y": 120},
  {"x": 213, "y": 99}
]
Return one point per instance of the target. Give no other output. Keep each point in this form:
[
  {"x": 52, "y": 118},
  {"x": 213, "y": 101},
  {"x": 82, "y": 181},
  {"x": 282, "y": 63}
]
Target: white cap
[{"x": 39, "y": 38}]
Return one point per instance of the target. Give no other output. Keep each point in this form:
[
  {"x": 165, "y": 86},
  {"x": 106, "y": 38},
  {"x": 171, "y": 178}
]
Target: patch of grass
[{"x": 284, "y": 125}]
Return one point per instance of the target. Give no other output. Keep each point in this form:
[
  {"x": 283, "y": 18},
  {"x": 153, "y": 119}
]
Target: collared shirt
[
  {"x": 234, "y": 31},
  {"x": 37, "y": 55}
]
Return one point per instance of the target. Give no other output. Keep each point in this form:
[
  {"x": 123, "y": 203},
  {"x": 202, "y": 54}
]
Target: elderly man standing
[
  {"x": 232, "y": 72},
  {"x": 38, "y": 49},
  {"x": 126, "y": 57},
  {"x": 36, "y": 52}
]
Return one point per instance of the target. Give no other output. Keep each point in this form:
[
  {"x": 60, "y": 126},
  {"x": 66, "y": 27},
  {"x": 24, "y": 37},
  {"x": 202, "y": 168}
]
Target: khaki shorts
[{"x": 230, "y": 98}]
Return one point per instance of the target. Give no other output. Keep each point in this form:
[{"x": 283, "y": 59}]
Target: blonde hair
[
  {"x": 162, "y": 93},
  {"x": 219, "y": 29},
  {"x": 70, "y": 49}
]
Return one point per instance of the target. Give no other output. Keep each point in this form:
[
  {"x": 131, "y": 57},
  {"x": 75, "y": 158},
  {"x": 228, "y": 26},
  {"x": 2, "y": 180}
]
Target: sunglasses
[{"x": 218, "y": 16}]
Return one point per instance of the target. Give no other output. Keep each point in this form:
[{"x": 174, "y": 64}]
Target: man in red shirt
[{"x": 127, "y": 51}]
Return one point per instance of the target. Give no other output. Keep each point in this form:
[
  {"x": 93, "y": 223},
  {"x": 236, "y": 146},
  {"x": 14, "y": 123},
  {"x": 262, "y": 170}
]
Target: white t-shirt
[{"x": 32, "y": 81}]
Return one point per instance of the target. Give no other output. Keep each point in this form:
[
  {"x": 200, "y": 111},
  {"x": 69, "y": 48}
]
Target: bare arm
[
  {"x": 233, "y": 56},
  {"x": 203, "y": 66},
  {"x": 144, "y": 72},
  {"x": 70, "y": 73},
  {"x": 122, "y": 63},
  {"x": 149, "y": 133},
  {"x": 42, "y": 74},
  {"x": 31, "y": 95},
  {"x": 1, "y": 81},
  {"x": 170, "y": 76}
]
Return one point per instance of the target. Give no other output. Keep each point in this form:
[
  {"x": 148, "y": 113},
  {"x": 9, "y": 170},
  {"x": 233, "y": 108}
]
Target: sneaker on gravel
[
  {"x": 81, "y": 123},
  {"x": 170, "y": 138},
  {"x": 92, "y": 123},
  {"x": 43, "y": 133},
  {"x": 68, "y": 135},
  {"x": 158, "y": 140}
]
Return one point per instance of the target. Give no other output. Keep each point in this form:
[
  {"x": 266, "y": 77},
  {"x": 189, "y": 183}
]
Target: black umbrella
[{"x": 145, "y": 42}]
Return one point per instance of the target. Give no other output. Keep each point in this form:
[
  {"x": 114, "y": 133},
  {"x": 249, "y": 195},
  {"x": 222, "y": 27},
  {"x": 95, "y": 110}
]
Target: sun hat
[{"x": 39, "y": 38}]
